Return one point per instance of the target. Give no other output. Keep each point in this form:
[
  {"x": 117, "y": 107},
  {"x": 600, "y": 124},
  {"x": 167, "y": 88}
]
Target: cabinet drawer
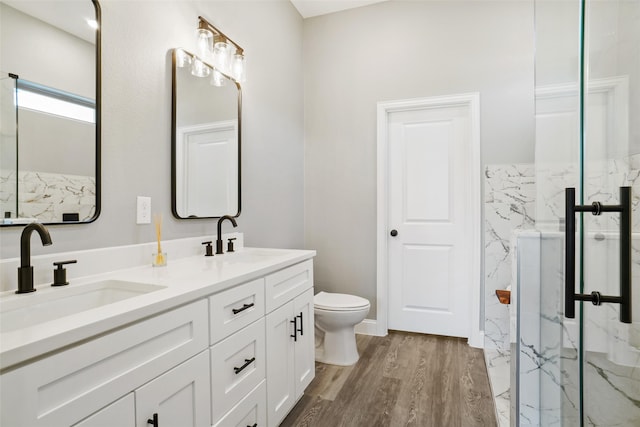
[
  {"x": 284, "y": 285},
  {"x": 250, "y": 411},
  {"x": 66, "y": 387},
  {"x": 237, "y": 367},
  {"x": 235, "y": 308}
]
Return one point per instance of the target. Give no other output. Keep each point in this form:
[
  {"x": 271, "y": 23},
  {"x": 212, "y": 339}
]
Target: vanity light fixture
[
  {"x": 199, "y": 68},
  {"x": 225, "y": 55},
  {"x": 182, "y": 58}
]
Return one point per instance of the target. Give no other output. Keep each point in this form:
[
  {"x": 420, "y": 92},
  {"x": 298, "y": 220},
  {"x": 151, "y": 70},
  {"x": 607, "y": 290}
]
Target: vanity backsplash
[{"x": 103, "y": 260}]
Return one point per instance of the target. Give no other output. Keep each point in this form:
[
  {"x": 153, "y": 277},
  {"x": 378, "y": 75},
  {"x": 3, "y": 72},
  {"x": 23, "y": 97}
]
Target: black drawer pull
[
  {"x": 154, "y": 421},
  {"x": 255, "y": 425},
  {"x": 244, "y": 307},
  {"x": 247, "y": 362},
  {"x": 301, "y": 327},
  {"x": 295, "y": 328}
]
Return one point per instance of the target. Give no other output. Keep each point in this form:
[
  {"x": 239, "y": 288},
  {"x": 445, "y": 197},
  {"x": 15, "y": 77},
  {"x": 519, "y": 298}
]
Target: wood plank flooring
[{"x": 403, "y": 379}]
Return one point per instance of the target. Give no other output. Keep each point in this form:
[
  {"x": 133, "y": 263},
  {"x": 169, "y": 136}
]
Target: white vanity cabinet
[
  {"x": 290, "y": 341},
  {"x": 88, "y": 383},
  {"x": 238, "y": 357},
  {"x": 278, "y": 347}
]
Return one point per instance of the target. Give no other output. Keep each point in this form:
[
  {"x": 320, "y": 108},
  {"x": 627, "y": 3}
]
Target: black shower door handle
[{"x": 596, "y": 208}]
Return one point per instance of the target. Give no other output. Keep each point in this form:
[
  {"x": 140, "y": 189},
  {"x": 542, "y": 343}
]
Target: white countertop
[{"x": 186, "y": 280}]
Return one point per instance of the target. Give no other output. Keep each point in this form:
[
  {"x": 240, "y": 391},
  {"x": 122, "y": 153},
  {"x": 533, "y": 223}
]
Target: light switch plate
[{"x": 143, "y": 215}]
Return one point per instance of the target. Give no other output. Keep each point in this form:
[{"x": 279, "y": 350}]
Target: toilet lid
[{"x": 338, "y": 302}]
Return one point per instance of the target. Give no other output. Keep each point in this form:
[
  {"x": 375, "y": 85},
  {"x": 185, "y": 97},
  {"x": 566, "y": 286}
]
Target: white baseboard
[
  {"x": 370, "y": 327},
  {"x": 367, "y": 327},
  {"x": 476, "y": 340}
]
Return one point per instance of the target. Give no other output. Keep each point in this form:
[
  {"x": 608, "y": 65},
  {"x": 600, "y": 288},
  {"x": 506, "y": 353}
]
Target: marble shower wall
[
  {"x": 509, "y": 205},
  {"x": 48, "y": 195},
  {"x": 548, "y": 365},
  {"x": 603, "y": 178},
  {"x": 526, "y": 196}
]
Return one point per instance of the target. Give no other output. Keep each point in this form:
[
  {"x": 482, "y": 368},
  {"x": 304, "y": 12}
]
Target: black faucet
[
  {"x": 219, "y": 239},
  {"x": 25, "y": 271}
]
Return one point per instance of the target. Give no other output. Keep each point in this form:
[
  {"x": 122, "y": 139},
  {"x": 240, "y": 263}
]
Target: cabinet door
[
  {"x": 280, "y": 364},
  {"x": 305, "y": 368},
  {"x": 180, "y": 397},
  {"x": 120, "y": 413}
]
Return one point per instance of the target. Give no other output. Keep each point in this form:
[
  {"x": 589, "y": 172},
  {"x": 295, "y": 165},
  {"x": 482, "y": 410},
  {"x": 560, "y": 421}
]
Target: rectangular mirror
[
  {"x": 205, "y": 140},
  {"x": 50, "y": 111}
]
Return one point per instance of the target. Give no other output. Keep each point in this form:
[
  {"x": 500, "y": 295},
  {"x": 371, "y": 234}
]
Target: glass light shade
[
  {"x": 182, "y": 58},
  {"x": 222, "y": 52},
  {"x": 204, "y": 42},
  {"x": 199, "y": 68},
  {"x": 238, "y": 67},
  {"x": 218, "y": 79}
]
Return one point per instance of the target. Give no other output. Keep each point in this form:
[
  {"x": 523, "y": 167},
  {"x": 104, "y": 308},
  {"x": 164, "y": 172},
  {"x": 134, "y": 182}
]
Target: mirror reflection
[
  {"x": 49, "y": 99},
  {"x": 206, "y": 140}
]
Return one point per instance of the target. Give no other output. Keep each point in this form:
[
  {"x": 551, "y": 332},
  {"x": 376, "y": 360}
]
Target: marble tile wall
[
  {"x": 548, "y": 364},
  {"x": 509, "y": 205},
  {"x": 47, "y": 195},
  {"x": 524, "y": 197}
]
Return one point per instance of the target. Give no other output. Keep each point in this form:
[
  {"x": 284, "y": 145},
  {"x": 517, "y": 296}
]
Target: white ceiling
[
  {"x": 68, "y": 15},
  {"x": 309, "y": 8}
]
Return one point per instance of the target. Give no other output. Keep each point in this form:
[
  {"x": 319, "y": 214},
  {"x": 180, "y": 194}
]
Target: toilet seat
[{"x": 339, "y": 302}]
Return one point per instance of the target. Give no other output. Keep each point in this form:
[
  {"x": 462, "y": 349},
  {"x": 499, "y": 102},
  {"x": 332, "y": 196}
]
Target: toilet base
[{"x": 338, "y": 348}]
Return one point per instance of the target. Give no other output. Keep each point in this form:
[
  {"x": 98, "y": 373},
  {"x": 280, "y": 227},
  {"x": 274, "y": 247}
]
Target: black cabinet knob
[{"x": 394, "y": 233}]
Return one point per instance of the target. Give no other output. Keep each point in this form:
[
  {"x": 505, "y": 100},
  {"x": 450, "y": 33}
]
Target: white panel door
[{"x": 430, "y": 256}]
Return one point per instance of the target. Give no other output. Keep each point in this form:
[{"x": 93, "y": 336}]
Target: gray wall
[
  {"x": 390, "y": 51},
  {"x": 136, "y": 158}
]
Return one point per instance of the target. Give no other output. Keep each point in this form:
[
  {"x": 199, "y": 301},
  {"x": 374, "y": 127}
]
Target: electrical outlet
[{"x": 143, "y": 215}]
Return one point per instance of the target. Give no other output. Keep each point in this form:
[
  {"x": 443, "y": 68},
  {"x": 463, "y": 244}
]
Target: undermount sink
[{"x": 21, "y": 311}]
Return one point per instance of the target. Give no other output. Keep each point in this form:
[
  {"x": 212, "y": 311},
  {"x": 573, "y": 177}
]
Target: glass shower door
[
  {"x": 588, "y": 139},
  {"x": 609, "y": 347}
]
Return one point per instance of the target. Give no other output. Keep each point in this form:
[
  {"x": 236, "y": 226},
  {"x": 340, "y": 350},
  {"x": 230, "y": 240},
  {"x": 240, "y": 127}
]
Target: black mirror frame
[
  {"x": 174, "y": 104},
  {"x": 98, "y": 109}
]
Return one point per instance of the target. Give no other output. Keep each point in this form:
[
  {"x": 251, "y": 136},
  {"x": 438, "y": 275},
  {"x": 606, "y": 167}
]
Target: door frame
[{"x": 472, "y": 102}]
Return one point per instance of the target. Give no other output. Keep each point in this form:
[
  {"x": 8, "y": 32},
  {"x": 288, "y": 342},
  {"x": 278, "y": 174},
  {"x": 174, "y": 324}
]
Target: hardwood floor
[{"x": 403, "y": 379}]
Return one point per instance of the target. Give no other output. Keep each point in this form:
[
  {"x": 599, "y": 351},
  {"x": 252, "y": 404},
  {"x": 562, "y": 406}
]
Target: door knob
[{"x": 394, "y": 233}]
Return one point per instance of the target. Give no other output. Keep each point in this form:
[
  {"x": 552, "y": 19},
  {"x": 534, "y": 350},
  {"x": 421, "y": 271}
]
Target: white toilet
[{"x": 335, "y": 318}]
